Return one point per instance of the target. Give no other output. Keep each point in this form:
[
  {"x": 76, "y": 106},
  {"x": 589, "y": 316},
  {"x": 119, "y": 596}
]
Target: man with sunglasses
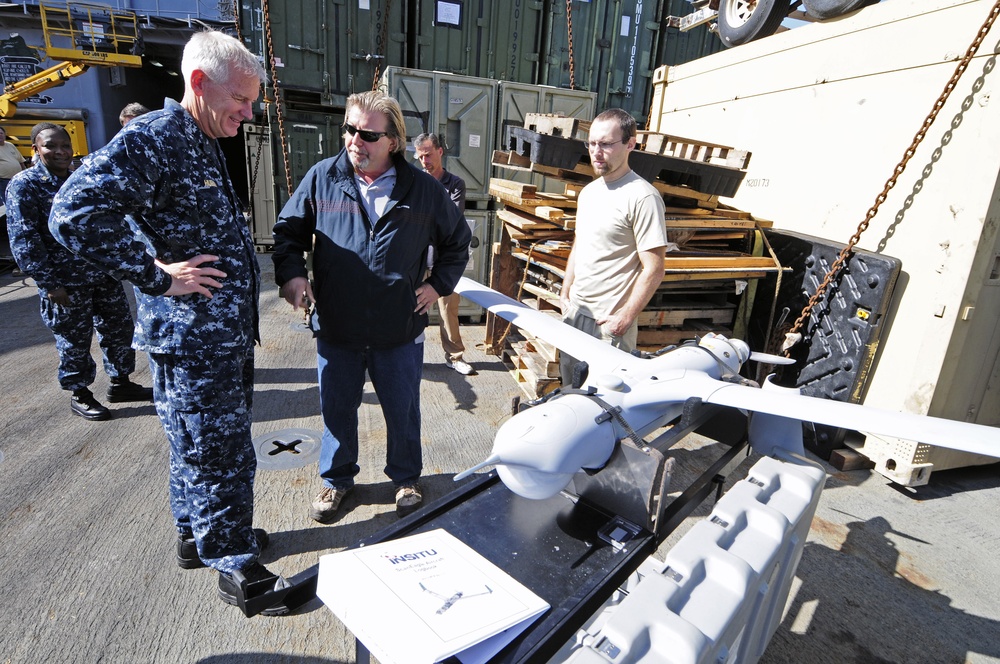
[
  {"x": 368, "y": 216},
  {"x": 616, "y": 263},
  {"x": 156, "y": 206}
]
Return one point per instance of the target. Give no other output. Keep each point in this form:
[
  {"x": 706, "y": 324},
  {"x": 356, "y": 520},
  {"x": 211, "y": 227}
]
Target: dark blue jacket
[{"x": 366, "y": 272}]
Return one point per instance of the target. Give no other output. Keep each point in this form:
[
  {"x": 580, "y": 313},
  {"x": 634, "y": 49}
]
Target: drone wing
[
  {"x": 951, "y": 434},
  {"x": 602, "y": 357}
]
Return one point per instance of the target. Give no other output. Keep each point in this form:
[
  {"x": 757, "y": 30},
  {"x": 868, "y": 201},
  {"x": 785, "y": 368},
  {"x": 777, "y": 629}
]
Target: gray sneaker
[
  {"x": 408, "y": 499},
  {"x": 325, "y": 507}
]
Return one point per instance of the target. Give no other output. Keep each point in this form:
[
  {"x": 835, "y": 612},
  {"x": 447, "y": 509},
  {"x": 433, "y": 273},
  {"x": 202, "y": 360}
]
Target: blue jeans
[{"x": 395, "y": 374}]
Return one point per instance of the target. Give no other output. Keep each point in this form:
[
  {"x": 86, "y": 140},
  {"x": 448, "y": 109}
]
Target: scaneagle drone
[{"x": 538, "y": 451}]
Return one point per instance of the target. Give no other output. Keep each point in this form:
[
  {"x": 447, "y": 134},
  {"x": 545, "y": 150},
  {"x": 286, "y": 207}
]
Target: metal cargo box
[
  {"x": 329, "y": 48},
  {"x": 461, "y": 109}
]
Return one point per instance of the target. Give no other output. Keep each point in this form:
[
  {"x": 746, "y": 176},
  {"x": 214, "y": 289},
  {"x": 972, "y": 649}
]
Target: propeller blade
[
  {"x": 950, "y": 434},
  {"x": 767, "y": 358}
]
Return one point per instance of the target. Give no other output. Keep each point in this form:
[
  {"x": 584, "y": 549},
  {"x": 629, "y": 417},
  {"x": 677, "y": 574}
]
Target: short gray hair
[{"x": 219, "y": 56}]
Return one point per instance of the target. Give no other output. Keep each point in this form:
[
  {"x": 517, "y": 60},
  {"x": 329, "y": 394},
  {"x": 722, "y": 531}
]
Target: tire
[
  {"x": 742, "y": 21},
  {"x": 824, "y": 9}
]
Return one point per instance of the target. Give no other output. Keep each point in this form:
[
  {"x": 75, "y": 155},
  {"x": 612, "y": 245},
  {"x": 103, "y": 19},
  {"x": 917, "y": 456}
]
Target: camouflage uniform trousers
[
  {"x": 205, "y": 405},
  {"x": 102, "y": 306}
]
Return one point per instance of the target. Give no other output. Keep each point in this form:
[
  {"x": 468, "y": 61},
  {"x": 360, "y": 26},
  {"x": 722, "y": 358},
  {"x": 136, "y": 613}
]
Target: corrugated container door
[
  {"x": 678, "y": 47},
  {"x": 515, "y": 41},
  {"x": 635, "y": 42},
  {"x": 587, "y": 18},
  {"x": 614, "y": 51},
  {"x": 448, "y": 35},
  {"x": 329, "y": 48},
  {"x": 485, "y": 38}
]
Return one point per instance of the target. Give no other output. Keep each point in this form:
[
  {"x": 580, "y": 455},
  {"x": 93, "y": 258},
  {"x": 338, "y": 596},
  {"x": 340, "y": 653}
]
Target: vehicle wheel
[
  {"x": 742, "y": 21},
  {"x": 823, "y": 9}
]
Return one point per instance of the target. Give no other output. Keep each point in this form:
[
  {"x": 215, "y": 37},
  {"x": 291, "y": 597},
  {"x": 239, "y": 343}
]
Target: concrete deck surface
[{"x": 888, "y": 574}]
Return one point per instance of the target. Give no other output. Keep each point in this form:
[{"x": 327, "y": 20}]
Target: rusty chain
[
  {"x": 384, "y": 46},
  {"x": 900, "y": 167},
  {"x": 277, "y": 96},
  {"x": 236, "y": 19},
  {"x": 569, "y": 29}
]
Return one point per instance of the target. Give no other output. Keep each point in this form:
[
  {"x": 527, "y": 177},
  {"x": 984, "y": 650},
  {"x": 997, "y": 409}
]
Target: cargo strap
[
  {"x": 795, "y": 335},
  {"x": 610, "y": 412}
]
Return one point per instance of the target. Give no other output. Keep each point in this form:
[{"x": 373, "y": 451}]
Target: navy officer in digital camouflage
[
  {"x": 76, "y": 298},
  {"x": 198, "y": 282}
]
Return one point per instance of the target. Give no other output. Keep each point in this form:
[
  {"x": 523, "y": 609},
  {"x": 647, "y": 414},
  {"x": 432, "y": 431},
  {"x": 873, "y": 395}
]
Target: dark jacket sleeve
[
  {"x": 294, "y": 230},
  {"x": 451, "y": 249}
]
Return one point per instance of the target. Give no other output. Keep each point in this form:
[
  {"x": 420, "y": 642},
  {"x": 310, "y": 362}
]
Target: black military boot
[
  {"x": 123, "y": 389},
  {"x": 86, "y": 406}
]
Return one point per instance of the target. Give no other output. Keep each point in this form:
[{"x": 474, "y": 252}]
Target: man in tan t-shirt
[{"x": 617, "y": 259}]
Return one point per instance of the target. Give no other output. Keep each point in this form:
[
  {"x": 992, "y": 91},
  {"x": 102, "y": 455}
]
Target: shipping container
[
  {"x": 615, "y": 51},
  {"x": 460, "y": 109},
  {"x": 331, "y": 49},
  {"x": 488, "y": 38}
]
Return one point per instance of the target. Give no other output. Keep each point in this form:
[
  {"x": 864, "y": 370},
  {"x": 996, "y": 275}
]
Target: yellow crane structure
[{"x": 77, "y": 36}]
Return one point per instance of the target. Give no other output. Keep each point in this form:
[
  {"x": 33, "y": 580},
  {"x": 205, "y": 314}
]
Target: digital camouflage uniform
[
  {"x": 96, "y": 300},
  {"x": 162, "y": 176}
]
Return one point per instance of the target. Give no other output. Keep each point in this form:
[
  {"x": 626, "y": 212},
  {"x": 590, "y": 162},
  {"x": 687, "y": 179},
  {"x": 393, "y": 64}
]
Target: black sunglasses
[{"x": 366, "y": 136}]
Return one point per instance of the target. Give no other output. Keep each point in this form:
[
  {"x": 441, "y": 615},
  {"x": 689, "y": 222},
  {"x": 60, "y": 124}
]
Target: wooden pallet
[
  {"x": 655, "y": 338},
  {"x": 686, "y": 148},
  {"x": 556, "y": 124},
  {"x": 526, "y": 370},
  {"x": 580, "y": 174},
  {"x": 526, "y": 196}
]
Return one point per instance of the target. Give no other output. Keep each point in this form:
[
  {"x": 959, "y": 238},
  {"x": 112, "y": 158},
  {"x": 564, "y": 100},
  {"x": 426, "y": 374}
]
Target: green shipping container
[
  {"x": 487, "y": 38},
  {"x": 331, "y": 48},
  {"x": 615, "y": 48}
]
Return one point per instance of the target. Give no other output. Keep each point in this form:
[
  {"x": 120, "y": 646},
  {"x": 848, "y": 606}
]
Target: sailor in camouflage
[
  {"x": 75, "y": 296},
  {"x": 193, "y": 263}
]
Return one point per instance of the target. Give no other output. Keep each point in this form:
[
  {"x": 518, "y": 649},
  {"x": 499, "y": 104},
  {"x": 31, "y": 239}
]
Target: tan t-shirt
[
  {"x": 613, "y": 223},
  {"x": 10, "y": 161}
]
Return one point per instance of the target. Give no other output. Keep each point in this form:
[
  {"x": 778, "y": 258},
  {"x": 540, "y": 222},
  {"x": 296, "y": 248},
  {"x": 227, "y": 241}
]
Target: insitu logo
[{"x": 410, "y": 557}]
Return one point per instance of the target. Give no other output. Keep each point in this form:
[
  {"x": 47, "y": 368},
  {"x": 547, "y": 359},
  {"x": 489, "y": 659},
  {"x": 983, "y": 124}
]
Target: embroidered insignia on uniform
[{"x": 210, "y": 183}]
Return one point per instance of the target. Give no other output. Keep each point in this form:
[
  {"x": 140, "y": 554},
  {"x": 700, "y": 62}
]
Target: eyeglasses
[
  {"x": 366, "y": 135},
  {"x": 603, "y": 146}
]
